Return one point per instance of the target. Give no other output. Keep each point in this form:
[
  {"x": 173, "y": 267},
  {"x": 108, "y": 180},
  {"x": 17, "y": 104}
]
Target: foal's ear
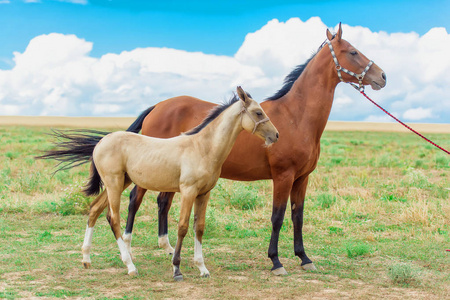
[{"x": 243, "y": 95}]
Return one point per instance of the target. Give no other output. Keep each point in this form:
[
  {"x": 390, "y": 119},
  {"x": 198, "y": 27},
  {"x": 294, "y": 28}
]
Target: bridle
[
  {"x": 244, "y": 109},
  {"x": 339, "y": 68}
]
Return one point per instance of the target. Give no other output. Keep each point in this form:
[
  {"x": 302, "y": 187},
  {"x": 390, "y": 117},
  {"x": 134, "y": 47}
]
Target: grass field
[{"x": 377, "y": 223}]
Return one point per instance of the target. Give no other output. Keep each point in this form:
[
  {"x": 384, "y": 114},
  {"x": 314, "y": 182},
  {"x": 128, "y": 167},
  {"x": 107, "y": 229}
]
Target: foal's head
[
  {"x": 348, "y": 58},
  {"x": 255, "y": 120}
]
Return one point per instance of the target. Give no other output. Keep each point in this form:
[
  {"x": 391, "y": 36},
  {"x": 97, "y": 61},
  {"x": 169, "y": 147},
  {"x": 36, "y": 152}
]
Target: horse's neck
[
  {"x": 218, "y": 137},
  {"x": 312, "y": 94}
]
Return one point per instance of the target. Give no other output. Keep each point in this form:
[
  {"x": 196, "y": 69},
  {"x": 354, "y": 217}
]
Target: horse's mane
[
  {"x": 289, "y": 80},
  {"x": 214, "y": 113},
  {"x": 292, "y": 77}
]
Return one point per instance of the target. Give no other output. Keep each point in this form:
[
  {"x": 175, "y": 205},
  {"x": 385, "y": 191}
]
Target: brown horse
[{"x": 300, "y": 112}]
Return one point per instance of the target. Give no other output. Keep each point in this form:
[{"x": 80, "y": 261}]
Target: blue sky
[
  {"x": 96, "y": 57},
  {"x": 214, "y": 27}
]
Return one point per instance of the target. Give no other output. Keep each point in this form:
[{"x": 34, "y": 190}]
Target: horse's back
[{"x": 174, "y": 116}]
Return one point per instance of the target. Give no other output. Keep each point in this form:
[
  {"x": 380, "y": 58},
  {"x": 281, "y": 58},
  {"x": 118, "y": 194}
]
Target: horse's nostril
[
  {"x": 277, "y": 135},
  {"x": 383, "y": 75}
]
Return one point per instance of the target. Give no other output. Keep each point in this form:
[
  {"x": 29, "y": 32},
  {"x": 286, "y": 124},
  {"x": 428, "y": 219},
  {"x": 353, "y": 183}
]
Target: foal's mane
[
  {"x": 293, "y": 76},
  {"x": 214, "y": 113}
]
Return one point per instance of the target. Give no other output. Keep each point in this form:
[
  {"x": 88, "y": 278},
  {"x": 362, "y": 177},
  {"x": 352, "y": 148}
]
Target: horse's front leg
[
  {"x": 97, "y": 207},
  {"x": 282, "y": 184},
  {"x": 164, "y": 204},
  {"x": 201, "y": 202},
  {"x": 297, "y": 205},
  {"x": 188, "y": 196},
  {"x": 136, "y": 196}
]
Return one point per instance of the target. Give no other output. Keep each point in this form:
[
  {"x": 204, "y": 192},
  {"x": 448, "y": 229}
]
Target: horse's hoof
[
  {"x": 206, "y": 275},
  {"x": 86, "y": 265},
  {"x": 178, "y": 277},
  {"x": 309, "y": 267},
  {"x": 279, "y": 272},
  {"x": 133, "y": 273}
]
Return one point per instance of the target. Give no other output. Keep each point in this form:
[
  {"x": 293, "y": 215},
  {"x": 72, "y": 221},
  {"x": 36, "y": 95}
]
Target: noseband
[
  {"x": 244, "y": 109},
  {"x": 339, "y": 68}
]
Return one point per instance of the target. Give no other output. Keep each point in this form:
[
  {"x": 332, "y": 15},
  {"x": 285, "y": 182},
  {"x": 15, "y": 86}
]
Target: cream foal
[{"x": 189, "y": 164}]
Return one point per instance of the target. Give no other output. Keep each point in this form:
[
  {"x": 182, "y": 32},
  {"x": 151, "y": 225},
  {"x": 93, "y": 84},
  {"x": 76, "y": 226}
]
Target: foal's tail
[
  {"x": 137, "y": 124},
  {"x": 74, "y": 148}
]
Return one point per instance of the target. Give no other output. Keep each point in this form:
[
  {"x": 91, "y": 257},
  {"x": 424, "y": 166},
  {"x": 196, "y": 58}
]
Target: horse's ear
[
  {"x": 242, "y": 95},
  {"x": 339, "y": 33},
  {"x": 329, "y": 35}
]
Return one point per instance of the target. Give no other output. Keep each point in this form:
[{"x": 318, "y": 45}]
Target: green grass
[
  {"x": 377, "y": 223},
  {"x": 403, "y": 274}
]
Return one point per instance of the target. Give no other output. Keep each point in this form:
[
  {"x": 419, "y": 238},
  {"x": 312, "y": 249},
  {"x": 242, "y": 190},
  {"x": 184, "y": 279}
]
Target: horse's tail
[
  {"x": 73, "y": 147},
  {"x": 137, "y": 124},
  {"x": 95, "y": 184}
]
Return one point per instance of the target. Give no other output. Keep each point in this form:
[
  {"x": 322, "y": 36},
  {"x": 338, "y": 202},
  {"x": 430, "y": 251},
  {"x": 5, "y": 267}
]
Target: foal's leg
[
  {"x": 164, "y": 203},
  {"x": 188, "y": 196},
  {"x": 200, "y": 205},
  {"x": 97, "y": 207},
  {"x": 115, "y": 186},
  {"x": 297, "y": 204},
  {"x": 136, "y": 196},
  {"x": 281, "y": 188}
]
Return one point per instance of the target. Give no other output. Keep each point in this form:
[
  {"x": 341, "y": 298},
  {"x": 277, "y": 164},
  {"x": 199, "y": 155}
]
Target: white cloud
[
  {"x": 56, "y": 75},
  {"x": 417, "y": 114}
]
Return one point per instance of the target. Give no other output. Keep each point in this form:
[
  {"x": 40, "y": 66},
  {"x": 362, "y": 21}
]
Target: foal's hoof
[
  {"x": 279, "y": 272},
  {"x": 206, "y": 275},
  {"x": 86, "y": 265},
  {"x": 309, "y": 267},
  {"x": 133, "y": 273},
  {"x": 178, "y": 277}
]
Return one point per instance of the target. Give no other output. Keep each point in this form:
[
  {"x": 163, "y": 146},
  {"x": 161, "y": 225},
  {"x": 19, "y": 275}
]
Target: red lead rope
[{"x": 426, "y": 139}]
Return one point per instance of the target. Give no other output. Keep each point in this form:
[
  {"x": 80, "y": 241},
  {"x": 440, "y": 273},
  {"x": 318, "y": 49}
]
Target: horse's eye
[
  {"x": 353, "y": 53},
  {"x": 258, "y": 113}
]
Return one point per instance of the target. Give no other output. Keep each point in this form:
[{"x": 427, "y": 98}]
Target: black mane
[
  {"x": 214, "y": 113},
  {"x": 292, "y": 77},
  {"x": 289, "y": 80}
]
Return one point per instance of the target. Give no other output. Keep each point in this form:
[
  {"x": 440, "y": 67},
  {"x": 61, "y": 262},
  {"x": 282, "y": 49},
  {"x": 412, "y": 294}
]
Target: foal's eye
[
  {"x": 353, "y": 53},
  {"x": 258, "y": 113}
]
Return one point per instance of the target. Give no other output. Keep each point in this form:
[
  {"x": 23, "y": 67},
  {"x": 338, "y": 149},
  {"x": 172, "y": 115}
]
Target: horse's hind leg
[
  {"x": 164, "y": 203},
  {"x": 201, "y": 202},
  {"x": 136, "y": 196},
  {"x": 115, "y": 186},
  {"x": 97, "y": 207}
]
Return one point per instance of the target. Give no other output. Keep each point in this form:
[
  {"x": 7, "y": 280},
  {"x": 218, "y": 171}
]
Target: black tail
[
  {"x": 74, "y": 147},
  {"x": 137, "y": 124},
  {"x": 95, "y": 184}
]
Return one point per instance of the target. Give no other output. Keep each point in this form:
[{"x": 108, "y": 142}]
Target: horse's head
[
  {"x": 353, "y": 66},
  {"x": 255, "y": 120}
]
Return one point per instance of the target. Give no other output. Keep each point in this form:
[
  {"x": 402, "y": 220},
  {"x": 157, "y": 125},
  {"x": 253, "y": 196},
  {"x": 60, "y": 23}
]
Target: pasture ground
[{"x": 377, "y": 223}]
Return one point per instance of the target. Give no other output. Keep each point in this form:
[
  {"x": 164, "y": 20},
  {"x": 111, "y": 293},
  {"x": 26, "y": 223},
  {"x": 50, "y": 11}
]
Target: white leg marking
[
  {"x": 126, "y": 257},
  {"x": 86, "y": 248},
  {"x": 198, "y": 259},
  {"x": 163, "y": 242},
  {"x": 127, "y": 239}
]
